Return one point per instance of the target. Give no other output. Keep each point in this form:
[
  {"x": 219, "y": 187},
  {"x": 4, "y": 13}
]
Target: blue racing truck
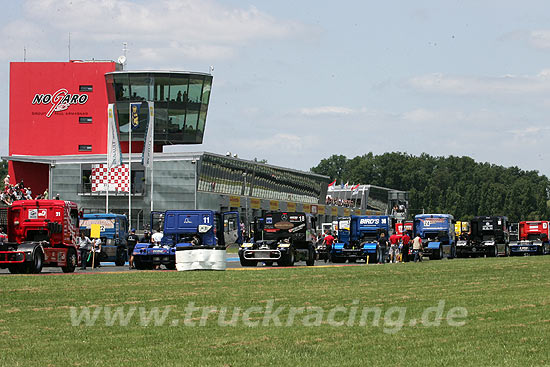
[
  {"x": 186, "y": 230},
  {"x": 114, "y": 230},
  {"x": 437, "y": 232},
  {"x": 358, "y": 238}
]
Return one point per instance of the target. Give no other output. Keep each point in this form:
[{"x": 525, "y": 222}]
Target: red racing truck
[
  {"x": 401, "y": 228},
  {"x": 40, "y": 233},
  {"x": 533, "y": 239}
]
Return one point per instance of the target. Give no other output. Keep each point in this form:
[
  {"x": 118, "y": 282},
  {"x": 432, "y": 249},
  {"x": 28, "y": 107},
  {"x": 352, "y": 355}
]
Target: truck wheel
[
  {"x": 507, "y": 251},
  {"x": 171, "y": 266},
  {"x": 291, "y": 257},
  {"x": 245, "y": 262},
  {"x": 72, "y": 260},
  {"x": 438, "y": 255},
  {"x": 120, "y": 256},
  {"x": 139, "y": 264},
  {"x": 310, "y": 261},
  {"x": 288, "y": 259},
  {"x": 495, "y": 251},
  {"x": 35, "y": 266}
]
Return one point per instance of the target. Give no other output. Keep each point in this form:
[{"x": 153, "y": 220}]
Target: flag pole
[
  {"x": 108, "y": 163},
  {"x": 130, "y": 166},
  {"x": 152, "y": 127}
]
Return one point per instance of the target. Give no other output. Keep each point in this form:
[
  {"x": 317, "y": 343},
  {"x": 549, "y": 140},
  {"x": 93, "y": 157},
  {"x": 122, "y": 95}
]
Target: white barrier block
[{"x": 201, "y": 259}]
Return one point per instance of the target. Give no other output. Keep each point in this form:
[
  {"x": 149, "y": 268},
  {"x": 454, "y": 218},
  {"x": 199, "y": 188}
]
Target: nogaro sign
[{"x": 60, "y": 100}]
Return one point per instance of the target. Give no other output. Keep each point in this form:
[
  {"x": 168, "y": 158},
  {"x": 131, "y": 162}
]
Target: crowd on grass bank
[{"x": 11, "y": 193}]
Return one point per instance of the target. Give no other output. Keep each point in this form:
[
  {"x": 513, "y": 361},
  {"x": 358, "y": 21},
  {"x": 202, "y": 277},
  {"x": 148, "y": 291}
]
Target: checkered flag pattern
[{"x": 117, "y": 179}]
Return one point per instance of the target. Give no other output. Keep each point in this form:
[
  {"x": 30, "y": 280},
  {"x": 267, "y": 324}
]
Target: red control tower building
[{"x": 60, "y": 109}]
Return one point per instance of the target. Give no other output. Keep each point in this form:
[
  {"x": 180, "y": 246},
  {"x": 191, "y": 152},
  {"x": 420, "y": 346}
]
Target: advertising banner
[
  {"x": 235, "y": 201},
  {"x": 255, "y": 203}
]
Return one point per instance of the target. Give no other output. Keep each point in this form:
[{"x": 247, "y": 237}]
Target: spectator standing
[
  {"x": 417, "y": 248},
  {"x": 146, "y": 237},
  {"x": 85, "y": 245},
  {"x": 131, "y": 242},
  {"x": 45, "y": 194},
  {"x": 328, "y": 241},
  {"x": 382, "y": 247},
  {"x": 96, "y": 248},
  {"x": 405, "y": 249},
  {"x": 157, "y": 237},
  {"x": 394, "y": 248}
]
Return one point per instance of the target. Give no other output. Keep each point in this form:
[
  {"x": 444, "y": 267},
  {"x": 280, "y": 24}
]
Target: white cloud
[
  {"x": 530, "y": 132},
  {"x": 204, "y": 20},
  {"x": 540, "y": 38},
  {"x": 327, "y": 110},
  {"x": 184, "y": 29},
  {"x": 466, "y": 85}
]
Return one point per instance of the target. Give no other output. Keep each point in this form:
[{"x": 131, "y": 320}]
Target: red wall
[
  {"x": 34, "y": 175},
  {"x": 32, "y": 132}
]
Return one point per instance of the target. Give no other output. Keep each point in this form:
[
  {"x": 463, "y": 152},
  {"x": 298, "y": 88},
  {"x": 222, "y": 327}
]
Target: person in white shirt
[
  {"x": 157, "y": 237},
  {"x": 85, "y": 245}
]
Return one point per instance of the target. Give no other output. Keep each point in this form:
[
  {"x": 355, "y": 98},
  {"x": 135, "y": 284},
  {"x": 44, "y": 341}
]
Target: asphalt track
[{"x": 232, "y": 264}]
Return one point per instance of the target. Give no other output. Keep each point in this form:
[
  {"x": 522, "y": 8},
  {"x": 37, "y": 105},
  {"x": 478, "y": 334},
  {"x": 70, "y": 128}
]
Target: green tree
[{"x": 455, "y": 185}]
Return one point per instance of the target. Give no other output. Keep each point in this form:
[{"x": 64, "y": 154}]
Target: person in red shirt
[
  {"x": 394, "y": 247},
  {"x": 329, "y": 240},
  {"x": 405, "y": 249}
]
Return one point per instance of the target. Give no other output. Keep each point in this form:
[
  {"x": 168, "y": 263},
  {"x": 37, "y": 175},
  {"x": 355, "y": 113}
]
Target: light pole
[
  {"x": 245, "y": 202},
  {"x": 194, "y": 163}
]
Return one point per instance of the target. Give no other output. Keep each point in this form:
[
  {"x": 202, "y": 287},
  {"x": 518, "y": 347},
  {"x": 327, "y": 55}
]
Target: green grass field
[{"x": 507, "y": 302}]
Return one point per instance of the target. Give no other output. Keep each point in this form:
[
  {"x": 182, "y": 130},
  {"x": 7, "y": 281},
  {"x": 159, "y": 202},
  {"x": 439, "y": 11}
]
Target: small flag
[
  {"x": 346, "y": 185},
  {"x": 147, "y": 155},
  {"x": 332, "y": 183},
  {"x": 355, "y": 189},
  {"x": 114, "y": 156},
  {"x": 134, "y": 114}
]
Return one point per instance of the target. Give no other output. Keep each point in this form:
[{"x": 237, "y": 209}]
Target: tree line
[{"x": 454, "y": 185}]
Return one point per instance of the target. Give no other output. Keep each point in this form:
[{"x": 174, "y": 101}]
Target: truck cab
[
  {"x": 533, "y": 238},
  {"x": 187, "y": 230},
  {"x": 113, "y": 233},
  {"x": 41, "y": 233},
  {"x": 437, "y": 232},
  {"x": 360, "y": 240},
  {"x": 488, "y": 236}
]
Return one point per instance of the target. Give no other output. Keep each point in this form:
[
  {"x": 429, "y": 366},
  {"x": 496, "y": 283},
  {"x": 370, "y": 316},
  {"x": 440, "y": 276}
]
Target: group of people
[
  {"x": 398, "y": 248},
  {"x": 339, "y": 202},
  {"x": 132, "y": 240},
  {"x": 11, "y": 193},
  {"x": 90, "y": 251},
  {"x": 88, "y": 247}
]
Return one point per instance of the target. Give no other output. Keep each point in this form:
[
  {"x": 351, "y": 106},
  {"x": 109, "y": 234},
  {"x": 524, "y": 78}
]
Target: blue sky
[{"x": 298, "y": 81}]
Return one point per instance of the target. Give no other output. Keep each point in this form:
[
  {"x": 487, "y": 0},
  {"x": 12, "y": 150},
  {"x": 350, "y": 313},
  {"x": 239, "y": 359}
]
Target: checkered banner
[{"x": 117, "y": 178}]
